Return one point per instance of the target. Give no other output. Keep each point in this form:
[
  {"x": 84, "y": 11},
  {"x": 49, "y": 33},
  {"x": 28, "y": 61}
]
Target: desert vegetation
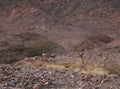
[
  {"x": 106, "y": 67},
  {"x": 41, "y": 46},
  {"x": 36, "y": 48}
]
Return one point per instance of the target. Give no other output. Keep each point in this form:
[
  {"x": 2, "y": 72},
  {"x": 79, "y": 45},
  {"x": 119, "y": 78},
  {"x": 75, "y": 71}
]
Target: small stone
[
  {"x": 45, "y": 55},
  {"x": 52, "y": 55},
  {"x": 46, "y": 83},
  {"x": 72, "y": 76},
  {"x": 34, "y": 58},
  {"x": 0, "y": 87},
  {"x": 12, "y": 84},
  {"x": 88, "y": 77},
  {"x": 97, "y": 87},
  {"x": 37, "y": 86},
  {"x": 32, "y": 28},
  {"x": 113, "y": 75}
]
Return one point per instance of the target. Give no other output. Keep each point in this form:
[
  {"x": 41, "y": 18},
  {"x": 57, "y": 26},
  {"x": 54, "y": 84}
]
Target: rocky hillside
[
  {"x": 73, "y": 24},
  {"x": 66, "y": 8},
  {"x": 59, "y": 44},
  {"x": 62, "y": 5}
]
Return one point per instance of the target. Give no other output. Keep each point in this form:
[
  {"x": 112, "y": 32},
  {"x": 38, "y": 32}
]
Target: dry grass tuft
[
  {"x": 55, "y": 66},
  {"x": 95, "y": 70},
  {"x": 112, "y": 67},
  {"x": 76, "y": 67}
]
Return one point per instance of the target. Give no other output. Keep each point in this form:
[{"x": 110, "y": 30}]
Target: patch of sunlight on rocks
[{"x": 31, "y": 64}]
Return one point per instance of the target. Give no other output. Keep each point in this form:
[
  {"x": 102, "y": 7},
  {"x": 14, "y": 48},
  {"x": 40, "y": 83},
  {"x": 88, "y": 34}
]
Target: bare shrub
[{"x": 42, "y": 46}]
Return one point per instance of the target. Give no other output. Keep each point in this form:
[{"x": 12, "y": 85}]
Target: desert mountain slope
[
  {"x": 59, "y": 44},
  {"x": 70, "y": 23}
]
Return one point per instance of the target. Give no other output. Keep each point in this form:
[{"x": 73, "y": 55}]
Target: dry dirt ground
[{"x": 86, "y": 30}]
